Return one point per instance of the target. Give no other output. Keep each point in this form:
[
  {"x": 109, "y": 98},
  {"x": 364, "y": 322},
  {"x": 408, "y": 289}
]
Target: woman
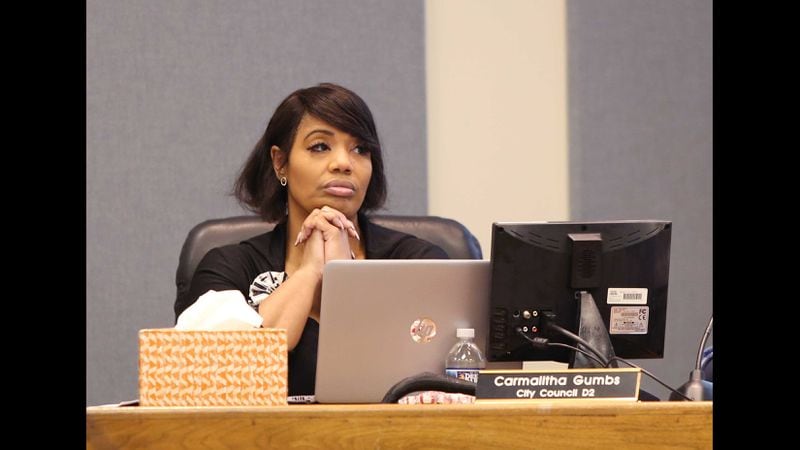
[{"x": 316, "y": 171}]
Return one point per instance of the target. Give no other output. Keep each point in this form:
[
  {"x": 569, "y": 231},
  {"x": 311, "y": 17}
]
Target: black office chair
[{"x": 454, "y": 238}]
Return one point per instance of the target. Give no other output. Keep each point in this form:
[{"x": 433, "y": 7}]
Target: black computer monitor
[{"x": 604, "y": 281}]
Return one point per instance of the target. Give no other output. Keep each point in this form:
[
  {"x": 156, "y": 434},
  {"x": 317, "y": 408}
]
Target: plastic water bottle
[{"x": 465, "y": 358}]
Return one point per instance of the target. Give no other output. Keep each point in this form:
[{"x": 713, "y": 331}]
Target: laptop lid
[{"x": 385, "y": 320}]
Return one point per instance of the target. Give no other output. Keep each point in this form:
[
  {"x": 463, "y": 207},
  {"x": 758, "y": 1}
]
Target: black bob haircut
[{"x": 257, "y": 187}]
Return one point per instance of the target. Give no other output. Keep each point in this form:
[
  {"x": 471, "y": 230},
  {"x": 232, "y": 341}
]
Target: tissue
[{"x": 218, "y": 311}]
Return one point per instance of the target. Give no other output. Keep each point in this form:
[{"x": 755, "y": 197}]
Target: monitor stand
[{"x": 591, "y": 329}]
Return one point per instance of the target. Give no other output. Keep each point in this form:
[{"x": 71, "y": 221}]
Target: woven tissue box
[{"x": 212, "y": 368}]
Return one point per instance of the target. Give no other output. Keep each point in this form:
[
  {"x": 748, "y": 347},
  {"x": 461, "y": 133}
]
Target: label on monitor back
[
  {"x": 626, "y": 296},
  {"x": 620, "y": 384},
  {"x": 628, "y": 320}
]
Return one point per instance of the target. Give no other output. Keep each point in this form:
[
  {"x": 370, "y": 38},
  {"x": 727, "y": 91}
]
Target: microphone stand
[{"x": 697, "y": 388}]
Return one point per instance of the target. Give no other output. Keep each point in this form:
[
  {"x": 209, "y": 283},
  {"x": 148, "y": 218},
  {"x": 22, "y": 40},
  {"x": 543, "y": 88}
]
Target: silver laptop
[{"x": 385, "y": 320}]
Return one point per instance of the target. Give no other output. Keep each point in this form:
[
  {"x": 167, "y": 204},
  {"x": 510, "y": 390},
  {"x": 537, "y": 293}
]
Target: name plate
[{"x": 620, "y": 384}]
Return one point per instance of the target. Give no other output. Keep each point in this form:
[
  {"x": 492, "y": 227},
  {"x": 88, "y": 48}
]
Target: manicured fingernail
[{"x": 297, "y": 241}]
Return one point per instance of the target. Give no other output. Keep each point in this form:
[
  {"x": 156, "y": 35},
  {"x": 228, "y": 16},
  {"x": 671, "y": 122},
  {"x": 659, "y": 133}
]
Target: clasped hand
[{"x": 326, "y": 235}]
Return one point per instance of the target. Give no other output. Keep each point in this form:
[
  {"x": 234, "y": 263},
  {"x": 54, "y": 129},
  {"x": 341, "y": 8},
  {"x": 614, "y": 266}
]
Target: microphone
[{"x": 697, "y": 388}]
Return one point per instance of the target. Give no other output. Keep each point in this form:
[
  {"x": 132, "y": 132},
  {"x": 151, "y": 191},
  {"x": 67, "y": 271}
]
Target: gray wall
[
  {"x": 178, "y": 92},
  {"x": 640, "y": 130}
]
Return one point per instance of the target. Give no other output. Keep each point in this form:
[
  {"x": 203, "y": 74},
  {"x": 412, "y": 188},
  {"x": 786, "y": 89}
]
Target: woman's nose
[{"x": 340, "y": 160}]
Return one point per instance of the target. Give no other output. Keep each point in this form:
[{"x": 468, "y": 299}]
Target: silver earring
[{"x": 283, "y": 181}]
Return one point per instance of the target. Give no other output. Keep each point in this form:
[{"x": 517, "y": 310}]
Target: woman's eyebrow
[{"x": 320, "y": 130}]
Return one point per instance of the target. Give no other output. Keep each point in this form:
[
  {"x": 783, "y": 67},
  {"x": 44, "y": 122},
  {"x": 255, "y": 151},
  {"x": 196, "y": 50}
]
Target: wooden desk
[{"x": 567, "y": 424}]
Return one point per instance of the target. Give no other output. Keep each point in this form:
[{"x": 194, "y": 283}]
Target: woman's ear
[{"x": 278, "y": 160}]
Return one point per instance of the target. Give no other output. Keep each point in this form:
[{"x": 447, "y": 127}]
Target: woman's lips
[{"x": 340, "y": 188}]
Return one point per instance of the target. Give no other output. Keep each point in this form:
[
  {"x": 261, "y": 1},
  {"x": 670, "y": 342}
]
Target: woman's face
[{"x": 327, "y": 167}]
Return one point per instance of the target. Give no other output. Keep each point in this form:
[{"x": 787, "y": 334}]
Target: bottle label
[{"x": 463, "y": 374}]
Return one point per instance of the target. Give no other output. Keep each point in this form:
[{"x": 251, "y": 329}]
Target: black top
[{"x": 236, "y": 266}]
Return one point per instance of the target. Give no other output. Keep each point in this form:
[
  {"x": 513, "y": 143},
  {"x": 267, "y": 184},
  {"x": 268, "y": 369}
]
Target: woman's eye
[
  {"x": 319, "y": 147},
  {"x": 361, "y": 150}
]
